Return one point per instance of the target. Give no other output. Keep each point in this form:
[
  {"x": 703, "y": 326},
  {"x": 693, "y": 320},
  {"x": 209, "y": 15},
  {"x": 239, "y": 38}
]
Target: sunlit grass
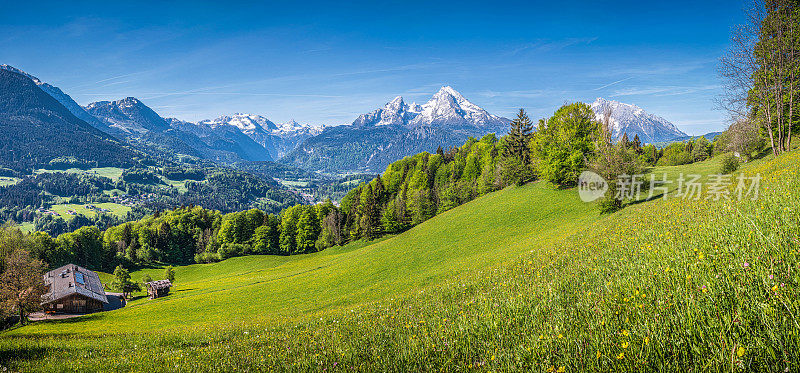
[
  {"x": 6, "y": 181},
  {"x": 113, "y": 173},
  {"x": 662, "y": 285},
  {"x": 80, "y": 209}
]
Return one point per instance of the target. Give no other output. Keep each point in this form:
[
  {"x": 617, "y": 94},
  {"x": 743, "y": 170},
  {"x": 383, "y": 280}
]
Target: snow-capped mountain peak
[
  {"x": 292, "y": 127},
  {"x": 128, "y": 115},
  {"x": 633, "y": 120},
  {"x": 447, "y": 107},
  {"x": 395, "y": 112},
  {"x": 249, "y": 124}
]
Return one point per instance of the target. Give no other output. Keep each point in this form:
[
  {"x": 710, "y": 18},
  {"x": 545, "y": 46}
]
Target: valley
[
  {"x": 453, "y": 283},
  {"x": 400, "y": 187}
]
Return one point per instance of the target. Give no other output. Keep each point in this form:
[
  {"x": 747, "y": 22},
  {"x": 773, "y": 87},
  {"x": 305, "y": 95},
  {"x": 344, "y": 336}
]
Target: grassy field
[
  {"x": 6, "y": 181},
  {"x": 112, "y": 173},
  {"x": 179, "y": 185},
  {"x": 294, "y": 183},
  {"x": 527, "y": 278},
  {"x": 27, "y": 227},
  {"x": 116, "y": 209},
  {"x": 268, "y": 288}
]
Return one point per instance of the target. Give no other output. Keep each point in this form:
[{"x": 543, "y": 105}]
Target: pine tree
[
  {"x": 369, "y": 214},
  {"x": 637, "y": 144},
  {"x": 625, "y": 142},
  {"x": 519, "y": 136},
  {"x": 379, "y": 191}
]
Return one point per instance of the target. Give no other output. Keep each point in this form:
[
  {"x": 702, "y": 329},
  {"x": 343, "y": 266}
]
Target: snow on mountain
[
  {"x": 396, "y": 130},
  {"x": 277, "y": 139},
  {"x": 128, "y": 115},
  {"x": 292, "y": 128},
  {"x": 249, "y": 124},
  {"x": 446, "y": 108},
  {"x": 633, "y": 120},
  {"x": 61, "y": 97},
  {"x": 396, "y": 112}
]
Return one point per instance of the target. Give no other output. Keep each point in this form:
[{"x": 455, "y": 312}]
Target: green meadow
[
  {"x": 267, "y": 288},
  {"x": 113, "y": 173},
  {"x": 528, "y": 278},
  {"x": 80, "y": 209},
  {"x": 6, "y": 181}
]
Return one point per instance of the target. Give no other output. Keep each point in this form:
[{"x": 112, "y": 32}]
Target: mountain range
[
  {"x": 227, "y": 139},
  {"x": 36, "y": 129},
  {"x": 371, "y": 142},
  {"x": 634, "y": 121},
  {"x": 277, "y": 139},
  {"x": 376, "y": 139}
]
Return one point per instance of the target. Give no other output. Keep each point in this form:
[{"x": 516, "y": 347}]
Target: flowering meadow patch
[{"x": 668, "y": 285}]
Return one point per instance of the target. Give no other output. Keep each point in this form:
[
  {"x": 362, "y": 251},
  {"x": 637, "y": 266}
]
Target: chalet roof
[
  {"x": 72, "y": 279},
  {"x": 158, "y": 284}
]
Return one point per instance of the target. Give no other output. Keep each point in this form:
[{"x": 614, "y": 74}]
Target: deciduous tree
[{"x": 21, "y": 284}]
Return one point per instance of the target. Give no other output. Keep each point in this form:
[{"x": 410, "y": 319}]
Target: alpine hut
[{"x": 73, "y": 289}]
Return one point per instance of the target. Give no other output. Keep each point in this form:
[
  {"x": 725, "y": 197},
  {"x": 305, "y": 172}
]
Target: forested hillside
[
  {"x": 35, "y": 128},
  {"x": 410, "y": 191}
]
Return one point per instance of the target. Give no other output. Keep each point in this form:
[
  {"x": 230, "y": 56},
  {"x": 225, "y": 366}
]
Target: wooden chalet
[
  {"x": 158, "y": 288},
  {"x": 73, "y": 289}
]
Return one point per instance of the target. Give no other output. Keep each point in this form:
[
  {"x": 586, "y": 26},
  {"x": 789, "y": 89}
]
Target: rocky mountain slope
[
  {"x": 376, "y": 139},
  {"x": 633, "y": 120},
  {"x": 35, "y": 129}
]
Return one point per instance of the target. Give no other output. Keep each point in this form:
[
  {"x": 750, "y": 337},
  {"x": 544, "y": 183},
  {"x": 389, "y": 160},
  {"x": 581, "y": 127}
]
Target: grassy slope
[
  {"x": 6, "y": 181},
  {"x": 116, "y": 209},
  {"x": 112, "y": 173},
  {"x": 660, "y": 285},
  {"x": 481, "y": 234}
]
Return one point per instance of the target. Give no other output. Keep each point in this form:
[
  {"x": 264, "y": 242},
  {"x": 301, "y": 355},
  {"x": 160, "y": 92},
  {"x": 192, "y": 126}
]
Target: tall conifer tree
[{"x": 519, "y": 136}]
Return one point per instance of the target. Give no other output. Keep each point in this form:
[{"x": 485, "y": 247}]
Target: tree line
[
  {"x": 761, "y": 74},
  {"x": 410, "y": 191}
]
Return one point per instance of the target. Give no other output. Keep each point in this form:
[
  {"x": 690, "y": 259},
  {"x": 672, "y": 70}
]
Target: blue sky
[{"x": 325, "y": 63}]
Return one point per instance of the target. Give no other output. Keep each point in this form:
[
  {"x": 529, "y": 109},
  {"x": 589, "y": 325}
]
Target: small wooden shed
[{"x": 157, "y": 289}]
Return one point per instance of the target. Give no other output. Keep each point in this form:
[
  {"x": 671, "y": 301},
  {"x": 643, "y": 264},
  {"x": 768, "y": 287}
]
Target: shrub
[
  {"x": 206, "y": 257},
  {"x": 729, "y": 164},
  {"x": 230, "y": 250}
]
